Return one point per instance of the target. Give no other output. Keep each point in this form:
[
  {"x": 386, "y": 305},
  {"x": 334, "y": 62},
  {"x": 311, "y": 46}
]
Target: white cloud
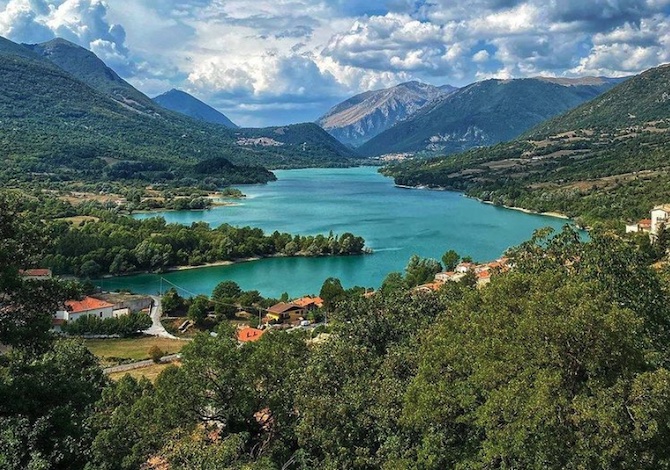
[{"x": 291, "y": 59}]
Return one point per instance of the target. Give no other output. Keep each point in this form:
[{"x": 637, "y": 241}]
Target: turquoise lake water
[{"x": 396, "y": 223}]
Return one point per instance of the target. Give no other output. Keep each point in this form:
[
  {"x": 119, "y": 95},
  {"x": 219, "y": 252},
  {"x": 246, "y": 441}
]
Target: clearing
[{"x": 116, "y": 351}]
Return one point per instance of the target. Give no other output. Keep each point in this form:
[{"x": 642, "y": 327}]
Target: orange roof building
[
  {"x": 86, "y": 304},
  {"x": 35, "y": 273},
  {"x": 75, "y": 309},
  {"x": 309, "y": 303},
  {"x": 246, "y": 335}
]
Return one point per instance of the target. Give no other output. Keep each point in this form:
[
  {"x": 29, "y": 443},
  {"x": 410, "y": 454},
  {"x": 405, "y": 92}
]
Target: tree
[
  {"x": 227, "y": 290},
  {"x": 662, "y": 242},
  {"x": 558, "y": 364},
  {"x": 393, "y": 282},
  {"x": 172, "y": 302},
  {"x": 331, "y": 292},
  {"x": 421, "y": 270},
  {"x": 197, "y": 311},
  {"x": 450, "y": 260},
  {"x": 156, "y": 353},
  {"x": 37, "y": 430}
]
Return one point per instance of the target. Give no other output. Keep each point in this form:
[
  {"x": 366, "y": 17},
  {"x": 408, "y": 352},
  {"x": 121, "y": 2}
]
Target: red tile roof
[
  {"x": 86, "y": 304},
  {"x": 304, "y": 301},
  {"x": 249, "y": 334},
  {"x": 36, "y": 272},
  {"x": 307, "y": 301}
]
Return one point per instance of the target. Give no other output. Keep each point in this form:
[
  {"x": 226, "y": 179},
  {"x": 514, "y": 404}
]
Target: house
[
  {"x": 309, "y": 303},
  {"x": 483, "y": 278},
  {"x": 36, "y": 274},
  {"x": 429, "y": 287},
  {"x": 464, "y": 267},
  {"x": 659, "y": 217},
  {"x": 246, "y": 335},
  {"x": 75, "y": 309},
  {"x": 450, "y": 276},
  {"x": 643, "y": 225},
  {"x": 283, "y": 311}
]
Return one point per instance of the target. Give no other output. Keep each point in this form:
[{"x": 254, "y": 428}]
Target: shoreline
[
  {"x": 215, "y": 264},
  {"x": 554, "y": 214}
]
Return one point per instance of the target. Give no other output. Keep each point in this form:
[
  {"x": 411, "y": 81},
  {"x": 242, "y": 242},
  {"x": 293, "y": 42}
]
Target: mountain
[
  {"x": 606, "y": 159},
  {"x": 88, "y": 68},
  {"x": 181, "y": 102},
  {"x": 484, "y": 113},
  {"x": 363, "y": 116},
  {"x": 55, "y": 126}
]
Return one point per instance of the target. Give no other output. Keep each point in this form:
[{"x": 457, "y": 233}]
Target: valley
[{"x": 268, "y": 235}]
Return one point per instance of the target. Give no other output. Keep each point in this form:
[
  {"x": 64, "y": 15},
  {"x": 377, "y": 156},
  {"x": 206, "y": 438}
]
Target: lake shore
[
  {"x": 214, "y": 264},
  {"x": 557, "y": 215}
]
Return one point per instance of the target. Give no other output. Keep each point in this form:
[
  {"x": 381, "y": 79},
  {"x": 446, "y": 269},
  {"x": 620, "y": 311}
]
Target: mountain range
[
  {"x": 181, "y": 102},
  {"x": 484, "y": 113},
  {"x": 65, "y": 114},
  {"x": 366, "y": 115},
  {"x": 606, "y": 159}
]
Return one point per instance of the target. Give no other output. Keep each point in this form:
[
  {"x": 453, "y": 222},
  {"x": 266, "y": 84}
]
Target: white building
[
  {"x": 659, "y": 217},
  {"x": 75, "y": 309}
]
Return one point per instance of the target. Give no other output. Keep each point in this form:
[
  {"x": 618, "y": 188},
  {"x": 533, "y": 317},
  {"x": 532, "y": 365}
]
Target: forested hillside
[
  {"x": 607, "y": 159},
  {"x": 560, "y": 363},
  {"x": 54, "y": 126}
]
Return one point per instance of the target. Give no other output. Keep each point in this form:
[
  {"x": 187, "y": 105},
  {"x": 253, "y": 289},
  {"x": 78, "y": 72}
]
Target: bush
[
  {"x": 155, "y": 353},
  {"x": 126, "y": 325}
]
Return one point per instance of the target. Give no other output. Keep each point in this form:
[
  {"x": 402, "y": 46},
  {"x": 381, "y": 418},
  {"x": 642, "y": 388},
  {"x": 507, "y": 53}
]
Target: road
[{"x": 157, "y": 328}]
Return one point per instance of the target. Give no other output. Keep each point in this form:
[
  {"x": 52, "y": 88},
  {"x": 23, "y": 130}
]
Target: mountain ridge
[
  {"x": 483, "y": 113},
  {"x": 363, "y": 116},
  {"x": 56, "y": 126},
  {"x": 605, "y": 159},
  {"x": 181, "y": 102}
]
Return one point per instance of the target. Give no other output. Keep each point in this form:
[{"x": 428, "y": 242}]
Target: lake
[{"x": 395, "y": 222}]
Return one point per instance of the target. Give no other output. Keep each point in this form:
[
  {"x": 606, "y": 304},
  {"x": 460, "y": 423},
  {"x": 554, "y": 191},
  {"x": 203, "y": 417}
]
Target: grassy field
[
  {"x": 114, "y": 351},
  {"x": 76, "y": 220},
  {"x": 150, "y": 372}
]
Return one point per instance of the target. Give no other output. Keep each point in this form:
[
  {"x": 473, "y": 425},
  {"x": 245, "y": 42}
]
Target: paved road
[
  {"x": 157, "y": 328},
  {"x": 141, "y": 364}
]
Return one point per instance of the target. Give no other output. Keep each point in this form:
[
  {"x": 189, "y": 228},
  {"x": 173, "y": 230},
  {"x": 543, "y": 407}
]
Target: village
[{"x": 251, "y": 322}]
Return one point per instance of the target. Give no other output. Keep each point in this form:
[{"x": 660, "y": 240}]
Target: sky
[{"x": 274, "y": 62}]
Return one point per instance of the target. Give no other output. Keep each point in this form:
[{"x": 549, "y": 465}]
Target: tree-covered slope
[
  {"x": 606, "y": 159},
  {"x": 184, "y": 103},
  {"x": 53, "y": 125},
  {"x": 481, "y": 114},
  {"x": 87, "y": 67},
  {"x": 634, "y": 102}
]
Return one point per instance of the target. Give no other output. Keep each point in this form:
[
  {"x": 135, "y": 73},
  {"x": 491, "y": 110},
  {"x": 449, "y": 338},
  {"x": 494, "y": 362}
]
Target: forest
[
  {"x": 560, "y": 363},
  {"x": 118, "y": 244}
]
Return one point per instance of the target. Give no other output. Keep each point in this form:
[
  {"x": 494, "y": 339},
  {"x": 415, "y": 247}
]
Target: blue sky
[{"x": 271, "y": 62}]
